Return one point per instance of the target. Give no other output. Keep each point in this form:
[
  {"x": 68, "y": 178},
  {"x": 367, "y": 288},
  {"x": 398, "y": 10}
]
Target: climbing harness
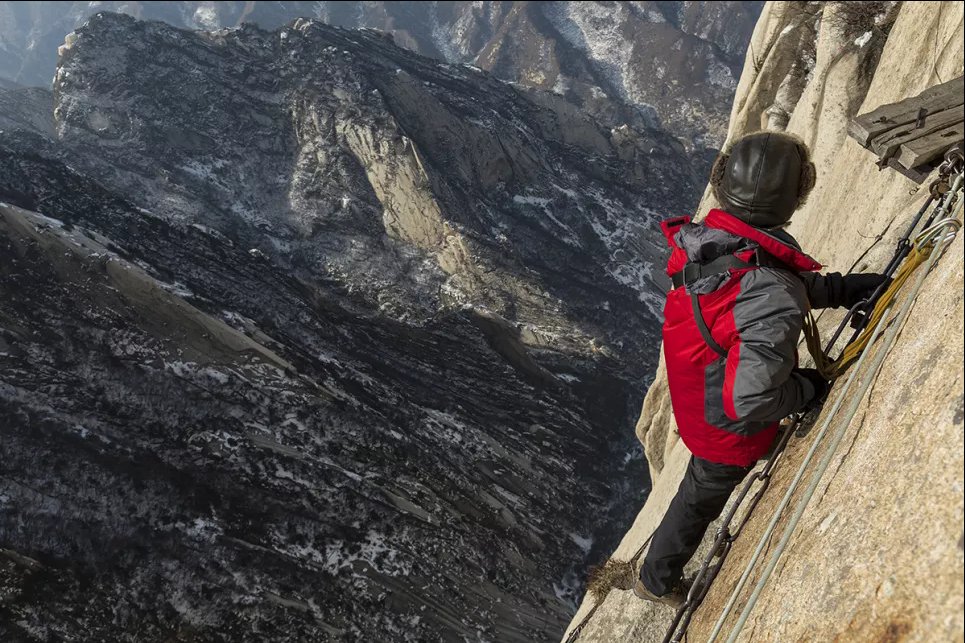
[{"x": 867, "y": 318}]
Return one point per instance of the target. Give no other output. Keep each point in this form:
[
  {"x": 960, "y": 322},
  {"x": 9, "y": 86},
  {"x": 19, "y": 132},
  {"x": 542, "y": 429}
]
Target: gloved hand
[
  {"x": 860, "y": 286},
  {"x": 821, "y": 386}
]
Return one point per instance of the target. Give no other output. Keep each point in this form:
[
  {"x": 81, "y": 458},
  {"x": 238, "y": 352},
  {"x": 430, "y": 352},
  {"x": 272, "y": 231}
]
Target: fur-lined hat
[{"x": 762, "y": 178}]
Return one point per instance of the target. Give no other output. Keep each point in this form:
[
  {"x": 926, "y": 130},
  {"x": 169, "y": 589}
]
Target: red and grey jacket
[{"x": 728, "y": 404}]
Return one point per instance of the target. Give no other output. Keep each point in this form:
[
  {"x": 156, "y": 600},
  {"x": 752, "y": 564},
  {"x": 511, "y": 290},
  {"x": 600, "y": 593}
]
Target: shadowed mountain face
[
  {"x": 307, "y": 337},
  {"x": 623, "y": 62}
]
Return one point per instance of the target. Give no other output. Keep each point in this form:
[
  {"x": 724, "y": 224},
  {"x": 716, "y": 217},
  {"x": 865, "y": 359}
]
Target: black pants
[{"x": 700, "y": 499}]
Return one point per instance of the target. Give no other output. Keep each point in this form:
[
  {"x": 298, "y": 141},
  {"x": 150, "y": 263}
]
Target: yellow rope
[{"x": 831, "y": 370}]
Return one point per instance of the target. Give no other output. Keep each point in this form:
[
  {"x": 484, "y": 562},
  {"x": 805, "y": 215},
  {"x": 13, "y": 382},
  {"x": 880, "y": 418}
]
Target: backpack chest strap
[{"x": 694, "y": 271}]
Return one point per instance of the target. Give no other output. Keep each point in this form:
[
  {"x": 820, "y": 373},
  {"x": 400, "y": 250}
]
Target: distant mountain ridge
[{"x": 623, "y": 62}]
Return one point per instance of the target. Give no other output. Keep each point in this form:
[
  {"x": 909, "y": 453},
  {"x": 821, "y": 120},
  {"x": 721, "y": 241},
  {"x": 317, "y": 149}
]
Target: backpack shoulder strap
[
  {"x": 702, "y": 326},
  {"x": 694, "y": 271}
]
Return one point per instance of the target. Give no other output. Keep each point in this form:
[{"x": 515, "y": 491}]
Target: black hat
[{"x": 763, "y": 178}]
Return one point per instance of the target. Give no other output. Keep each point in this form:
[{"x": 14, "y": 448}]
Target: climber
[{"x": 732, "y": 321}]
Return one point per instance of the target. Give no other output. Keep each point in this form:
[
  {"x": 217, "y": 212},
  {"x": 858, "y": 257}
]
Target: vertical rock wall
[{"x": 878, "y": 553}]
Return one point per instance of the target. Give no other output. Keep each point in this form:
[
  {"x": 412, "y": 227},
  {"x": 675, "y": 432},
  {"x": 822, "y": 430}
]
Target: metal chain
[
  {"x": 725, "y": 537},
  {"x": 858, "y": 315},
  {"x": 932, "y": 241},
  {"x": 722, "y": 542}
]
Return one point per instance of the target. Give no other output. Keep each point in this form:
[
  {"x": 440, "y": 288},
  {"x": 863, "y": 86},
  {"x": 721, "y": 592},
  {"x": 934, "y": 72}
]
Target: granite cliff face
[
  {"x": 624, "y": 62},
  {"x": 308, "y": 337},
  {"x": 878, "y": 553}
]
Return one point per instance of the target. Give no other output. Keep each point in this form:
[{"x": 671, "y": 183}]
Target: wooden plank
[
  {"x": 925, "y": 149},
  {"x": 917, "y": 175},
  {"x": 887, "y": 144},
  {"x": 935, "y": 99}
]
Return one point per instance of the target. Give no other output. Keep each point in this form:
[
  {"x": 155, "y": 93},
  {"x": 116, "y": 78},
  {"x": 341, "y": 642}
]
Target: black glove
[
  {"x": 860, "y": 286},
  {"x": 821, "y": 386}
]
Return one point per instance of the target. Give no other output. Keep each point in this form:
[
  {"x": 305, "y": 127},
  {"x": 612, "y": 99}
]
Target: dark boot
[{"x": 674, "y": 598}]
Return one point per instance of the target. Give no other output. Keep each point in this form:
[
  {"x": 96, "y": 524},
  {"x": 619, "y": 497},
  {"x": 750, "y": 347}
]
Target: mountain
[
  {"x": 27, "y": 108},
  {"x": 306, "y": 142},
  {"x": 877, "y": 554},
  {"x": 623, "y": 62},
  {"x": 310, "y": 337},
  {"x": 641, "y": 63}
]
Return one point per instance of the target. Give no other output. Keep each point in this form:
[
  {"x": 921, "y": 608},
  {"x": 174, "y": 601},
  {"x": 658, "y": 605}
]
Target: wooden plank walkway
[{"x": 912, "y": 134}]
